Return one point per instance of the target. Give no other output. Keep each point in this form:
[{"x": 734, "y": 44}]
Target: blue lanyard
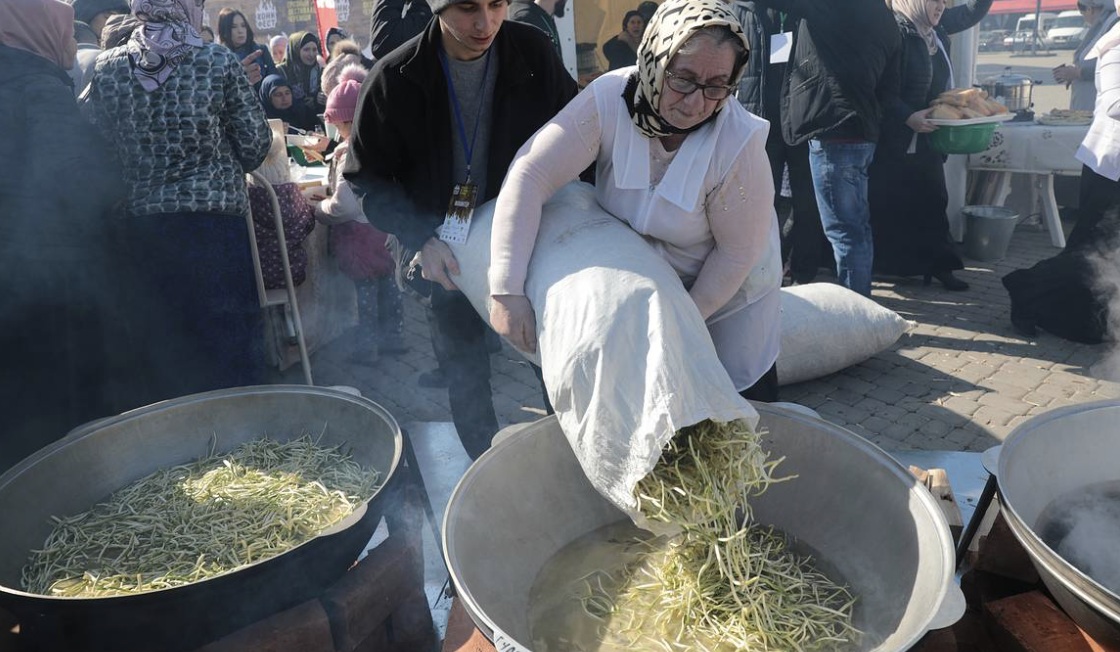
[{"x": 468, "y": 149}]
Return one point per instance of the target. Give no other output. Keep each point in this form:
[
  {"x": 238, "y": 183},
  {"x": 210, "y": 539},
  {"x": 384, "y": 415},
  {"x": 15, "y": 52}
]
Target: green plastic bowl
[{"x": 967, "y": 139}]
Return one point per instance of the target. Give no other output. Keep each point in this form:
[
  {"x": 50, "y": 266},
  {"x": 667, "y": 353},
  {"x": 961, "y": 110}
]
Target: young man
[
  {"x": 539, "y": 14},
  {"x": 450, "y": 108},
  {"x": 844, "y": 62}
]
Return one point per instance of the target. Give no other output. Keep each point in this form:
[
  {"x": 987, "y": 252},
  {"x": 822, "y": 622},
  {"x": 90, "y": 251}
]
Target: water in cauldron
[
  {"x": 558, "y": 619},
  {"x": 1083, "y": 527}
]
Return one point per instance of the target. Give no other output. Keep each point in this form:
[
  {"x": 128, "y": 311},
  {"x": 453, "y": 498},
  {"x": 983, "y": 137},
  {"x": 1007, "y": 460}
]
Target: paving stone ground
[{"x": 961, "y": 379}]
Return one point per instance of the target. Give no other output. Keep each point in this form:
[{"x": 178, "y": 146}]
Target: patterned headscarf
[
  {"x": 917, "y": 12},
  {"x": 42, "y": 27},
  {"x": 167, "y": 32},
  {"x": 671, "y": 26}
]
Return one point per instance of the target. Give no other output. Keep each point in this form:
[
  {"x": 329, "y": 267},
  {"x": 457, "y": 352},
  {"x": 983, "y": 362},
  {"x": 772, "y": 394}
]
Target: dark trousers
[
  {"x": 198, "y": 296},
  {"x": 459, "y": 340},
  {"x": 803, "y": 243},
  {"x": 765, "y": 390}
]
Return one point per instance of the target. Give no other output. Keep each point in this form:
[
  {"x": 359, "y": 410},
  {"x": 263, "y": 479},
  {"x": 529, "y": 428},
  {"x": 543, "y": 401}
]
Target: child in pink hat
[{"x": 359, "y": 247}]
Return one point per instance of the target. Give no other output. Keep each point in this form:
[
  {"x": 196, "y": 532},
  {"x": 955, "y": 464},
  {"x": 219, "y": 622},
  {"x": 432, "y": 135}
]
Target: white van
[
  {"x": 1026, "y": 23},
  {"x": 1067, "y": 30}
]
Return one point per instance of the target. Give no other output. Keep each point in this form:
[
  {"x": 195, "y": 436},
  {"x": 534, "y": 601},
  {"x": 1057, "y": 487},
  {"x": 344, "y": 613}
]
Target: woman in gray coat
[{"x": 1099, "y": 17}]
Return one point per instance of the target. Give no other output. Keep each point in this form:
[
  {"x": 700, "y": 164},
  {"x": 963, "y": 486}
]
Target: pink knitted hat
[{"x": 344, "y": 98}]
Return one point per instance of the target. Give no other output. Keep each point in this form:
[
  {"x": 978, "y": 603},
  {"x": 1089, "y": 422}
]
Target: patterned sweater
[{"x": 186, "y": 146}]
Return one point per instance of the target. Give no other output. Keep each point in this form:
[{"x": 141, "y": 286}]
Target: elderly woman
[
  {"x": 1068, "y": 294},
  {"x": 906, "y": 184},
  {"x": 186, "y": 126},
  {"x": 680, "y": 164},
  {"x": 1099, "y": 18}
]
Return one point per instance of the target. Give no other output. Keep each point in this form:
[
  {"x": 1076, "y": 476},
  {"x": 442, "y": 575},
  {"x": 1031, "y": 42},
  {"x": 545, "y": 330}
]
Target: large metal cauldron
[
  {"x": 527, "y": 498},
  {"x": 81, "y": 469},
  {"x": 1047, "y": 457}
]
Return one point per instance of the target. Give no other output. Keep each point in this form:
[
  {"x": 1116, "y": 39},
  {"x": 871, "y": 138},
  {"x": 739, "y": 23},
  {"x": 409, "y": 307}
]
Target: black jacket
[
  {"x": 395, "y": 22},
  {"x": 760, "y": 88},
  {"x": 915, "y": 66},
  {"x": 530, "y": 13},
  {"x": 843, "y": 65},
  {"x": 55, "y": 198},
  {"x": 401, "y": 149}
]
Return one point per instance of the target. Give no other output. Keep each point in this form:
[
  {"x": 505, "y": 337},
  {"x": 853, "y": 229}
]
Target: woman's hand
[
  {"x": 1066, "y": 74},
  {"x": 512, "y": 317},
  {"x": 919, "y": 122}
]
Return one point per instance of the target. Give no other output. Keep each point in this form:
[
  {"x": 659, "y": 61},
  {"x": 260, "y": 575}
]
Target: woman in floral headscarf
[
  {"x": 710, "y": 214},
  {"x": 906, "y": 181},
  {"x": 186, "y": 126}
]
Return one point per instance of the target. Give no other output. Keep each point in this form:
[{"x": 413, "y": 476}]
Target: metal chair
[{"x": 278, "y": 297}]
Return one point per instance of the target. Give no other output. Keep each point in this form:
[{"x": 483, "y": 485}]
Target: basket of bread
[{"x": 966, "y": 119}]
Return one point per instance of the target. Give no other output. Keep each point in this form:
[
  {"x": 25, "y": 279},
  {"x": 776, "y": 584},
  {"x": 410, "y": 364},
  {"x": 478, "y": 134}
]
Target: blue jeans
[{"x": 840, "y": 179}]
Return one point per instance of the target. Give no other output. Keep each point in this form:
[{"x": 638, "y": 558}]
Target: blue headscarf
[{"x": 297, "y": 115}]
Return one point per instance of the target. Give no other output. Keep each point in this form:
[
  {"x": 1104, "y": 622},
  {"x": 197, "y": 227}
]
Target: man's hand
[
  {"x": 252, "y": 68},
  {"x": 919, "y": 122},
  {"x": 1066, "y": 74},
  {"x": 437, "y": 263},
  {"x": 512, "y": 317}
]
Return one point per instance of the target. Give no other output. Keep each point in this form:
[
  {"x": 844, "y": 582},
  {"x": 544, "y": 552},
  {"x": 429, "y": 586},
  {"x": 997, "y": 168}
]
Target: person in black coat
[
  {"x": 844, "y": 66},
  {"x": 61, "y": 276},
  {"x": 760, "y": 92},
  {"x": 907, "y": 180},
  {"x": 622, "y": 50},
  {"x": 235, "y": 33},
  {"x": 396, "y": 22},
  {"x": 406, "y": 155}
]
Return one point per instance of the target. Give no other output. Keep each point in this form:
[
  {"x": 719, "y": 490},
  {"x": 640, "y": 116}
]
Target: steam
[
  {"x": 1106, "y": 268},
  {"x": 1086, "y": 531}
]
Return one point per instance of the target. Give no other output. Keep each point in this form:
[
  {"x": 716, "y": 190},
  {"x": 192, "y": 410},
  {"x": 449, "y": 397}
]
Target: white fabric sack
[
  {"x": 626, "y": 357},
  {"x": 826, "y": 328}
]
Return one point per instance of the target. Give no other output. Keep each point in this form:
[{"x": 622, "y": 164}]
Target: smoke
[
  {"x": 1106, "y": 269},
  {"x": 1085, "y": 532}
]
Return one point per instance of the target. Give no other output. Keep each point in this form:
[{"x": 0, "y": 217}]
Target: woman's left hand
[
  {"x": 920, "y": 123},
  {"x": 512, "y": 317}
]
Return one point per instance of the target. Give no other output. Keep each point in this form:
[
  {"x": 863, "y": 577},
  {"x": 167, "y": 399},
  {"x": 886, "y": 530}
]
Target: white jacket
[{"x": 1101, "y": 147}]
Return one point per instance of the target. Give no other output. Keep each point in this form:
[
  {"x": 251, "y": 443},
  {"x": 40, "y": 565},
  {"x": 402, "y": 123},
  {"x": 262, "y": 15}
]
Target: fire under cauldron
[
  {"x": 1054, "y": 455},
  {"x": 866, "y": 516},
  {"x": 76, "y": 472}
]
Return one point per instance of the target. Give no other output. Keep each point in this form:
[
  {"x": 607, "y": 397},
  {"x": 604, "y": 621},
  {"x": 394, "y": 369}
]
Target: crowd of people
[{"x": 138, "y": 129}]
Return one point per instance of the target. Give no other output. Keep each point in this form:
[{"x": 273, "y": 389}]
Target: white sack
[
  {"x": 826, "y": 328},
  {"x": 627, "y": 360}
]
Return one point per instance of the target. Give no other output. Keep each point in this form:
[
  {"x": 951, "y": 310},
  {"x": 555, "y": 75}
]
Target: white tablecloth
[{"x": 1032, "y": 148}]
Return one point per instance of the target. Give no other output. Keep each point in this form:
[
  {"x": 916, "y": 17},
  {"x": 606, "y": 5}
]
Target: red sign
[
  {"x": 1029, "y": 6},
  {"x": 327, "y": 17}
]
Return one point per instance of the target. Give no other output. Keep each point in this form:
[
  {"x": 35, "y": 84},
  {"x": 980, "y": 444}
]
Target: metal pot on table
[{"x": 1012, "y": 90}]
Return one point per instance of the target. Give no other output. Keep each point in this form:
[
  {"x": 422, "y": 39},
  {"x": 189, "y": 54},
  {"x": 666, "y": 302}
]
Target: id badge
[
  {"x": 781, "y": 46},
  {"x": 457, "y": 225}
]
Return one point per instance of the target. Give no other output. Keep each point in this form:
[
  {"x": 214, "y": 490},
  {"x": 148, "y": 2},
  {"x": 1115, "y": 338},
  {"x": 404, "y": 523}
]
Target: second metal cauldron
[{"x": 81, "y": 469}]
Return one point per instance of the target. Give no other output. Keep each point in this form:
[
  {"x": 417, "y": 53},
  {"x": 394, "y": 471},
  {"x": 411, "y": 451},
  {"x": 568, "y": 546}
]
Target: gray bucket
[{"x": 988, "y": 232}]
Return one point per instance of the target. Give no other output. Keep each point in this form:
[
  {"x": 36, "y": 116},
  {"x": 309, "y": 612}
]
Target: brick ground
[{"x": 960, "y": 380}]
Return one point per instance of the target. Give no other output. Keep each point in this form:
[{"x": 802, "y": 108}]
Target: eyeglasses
[{"x": 688, "y": 87}]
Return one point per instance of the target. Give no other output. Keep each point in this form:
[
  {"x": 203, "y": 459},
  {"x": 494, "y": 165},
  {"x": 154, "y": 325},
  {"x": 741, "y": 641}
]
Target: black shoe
[
  {"x": 947, "y": 279},
  {"x": 434, "y": 379}
]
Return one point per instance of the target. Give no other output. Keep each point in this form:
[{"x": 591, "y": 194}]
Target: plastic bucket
[
  {"x": 964, "y": 139},
  {"x": 988, "y": 231}
]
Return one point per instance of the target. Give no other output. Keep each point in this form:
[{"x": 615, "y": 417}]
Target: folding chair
[{"x": 279, "y": 297}]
